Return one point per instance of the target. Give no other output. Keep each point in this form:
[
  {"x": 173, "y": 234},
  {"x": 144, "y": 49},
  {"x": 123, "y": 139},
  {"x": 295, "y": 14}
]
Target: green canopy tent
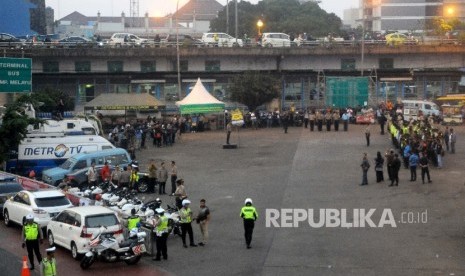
[{"x": 200, "y": 101}]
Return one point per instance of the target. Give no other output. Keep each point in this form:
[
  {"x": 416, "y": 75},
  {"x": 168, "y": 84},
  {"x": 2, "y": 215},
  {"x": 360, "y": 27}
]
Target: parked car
[
  {"x": 399, "y": 39},
  {"x": 8, "y": 188},
  {"x": 73, "y": 228},
  {"x": 43, "y": 204},
  {"x": 127, "y": 39},
  {"x": 221, "y": 40},
  {"x": 10, "y": 41},
  {"x": 184, "y": 40},
  {"x": 275, "y": 40}
]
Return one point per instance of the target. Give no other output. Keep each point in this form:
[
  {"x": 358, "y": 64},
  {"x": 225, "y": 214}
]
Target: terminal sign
[{"x": 15, "y": 75}]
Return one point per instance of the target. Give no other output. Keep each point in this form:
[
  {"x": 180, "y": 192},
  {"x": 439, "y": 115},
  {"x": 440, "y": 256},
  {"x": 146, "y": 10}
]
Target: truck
[{"x": 49, "y": 151}]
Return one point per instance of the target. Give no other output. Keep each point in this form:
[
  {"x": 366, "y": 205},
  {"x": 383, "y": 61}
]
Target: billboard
[
  {"x": 346, "y": 91},
  {"x": 15, "y": 75}
]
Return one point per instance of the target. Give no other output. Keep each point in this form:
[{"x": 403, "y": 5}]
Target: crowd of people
[{"x": 419, "y": 143}]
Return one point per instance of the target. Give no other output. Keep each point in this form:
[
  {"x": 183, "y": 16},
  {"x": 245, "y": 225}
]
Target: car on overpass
[
  {"x": 10, "y": 41},
  {"x": 221, "y": 40},
  {"x": 77, "y": 41},
  {"x": 184, "y": 40},
  {"x": 395, "y": 39}
]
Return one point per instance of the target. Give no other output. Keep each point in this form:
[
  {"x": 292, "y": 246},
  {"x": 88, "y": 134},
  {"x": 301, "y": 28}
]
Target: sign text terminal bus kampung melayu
[{"x": 15, "y": 75}]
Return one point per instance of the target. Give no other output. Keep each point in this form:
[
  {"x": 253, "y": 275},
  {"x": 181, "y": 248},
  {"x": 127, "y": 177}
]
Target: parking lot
[{"x": 302, "y": 170}]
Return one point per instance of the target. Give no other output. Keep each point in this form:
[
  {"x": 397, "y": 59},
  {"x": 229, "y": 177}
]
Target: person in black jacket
[{"x": 395, "y": 167}]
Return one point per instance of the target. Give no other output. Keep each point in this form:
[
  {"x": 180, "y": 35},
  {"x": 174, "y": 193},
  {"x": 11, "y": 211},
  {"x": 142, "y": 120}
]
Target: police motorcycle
[
  {"x": 174, "y": 221},
  {"x": 105, "y": 247}
]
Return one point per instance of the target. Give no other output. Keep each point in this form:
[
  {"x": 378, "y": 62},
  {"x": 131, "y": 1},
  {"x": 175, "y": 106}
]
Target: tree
[
  {"x": 254, "y": 89},
  {"x": 288, "y": 16},
  {"x": 14, "y": 125},
  {"x": 50, "y": 97}
]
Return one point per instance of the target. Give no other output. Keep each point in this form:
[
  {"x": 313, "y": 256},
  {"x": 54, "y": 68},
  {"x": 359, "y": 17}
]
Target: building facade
[{"x": 407, "y": 15}]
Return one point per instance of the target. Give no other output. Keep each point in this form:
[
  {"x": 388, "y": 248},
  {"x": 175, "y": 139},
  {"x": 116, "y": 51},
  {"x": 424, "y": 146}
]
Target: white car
[
  {"x": 120, "y": 39},
  {"x": 74, "y": 227},
  {"x": 275, "y": 40},
  {"x": 43, "y": 204},
  {"x": 224, "y": 40}
]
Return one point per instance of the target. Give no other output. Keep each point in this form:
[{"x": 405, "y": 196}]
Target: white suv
[
  {"x": 224, "y": 40},
  {"x": 275, "y": 40},
  {"x": 73, "y": 228},
  {"x": 125, "y": 39},
  {"x": 43, "y": 204}
]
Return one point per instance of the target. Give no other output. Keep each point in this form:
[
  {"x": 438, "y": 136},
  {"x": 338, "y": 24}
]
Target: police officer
[
  {"x": 133, "y": 220},
  {"x": 161, "y": 232},
  {"x": 328, "y": 120},
  {"x": 311, "y": 119},
  {"x": 134, "y": 177},
  {"x": 249, "y": 215},
  {"x": 319, "y": 120},
  {"x": 185, "y": 214},
  {"x": 48, "y": 267},
  {"x": 32, "y": 234}
]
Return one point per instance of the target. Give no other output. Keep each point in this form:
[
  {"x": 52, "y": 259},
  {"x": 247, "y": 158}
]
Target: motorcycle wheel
[
  {"x": 86, "y": 262},
  {"x": 143, "y": 187},
  {"x": 133, "y": 261}
]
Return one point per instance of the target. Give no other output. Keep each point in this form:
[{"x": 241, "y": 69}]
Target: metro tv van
[
  {"x": 117, "y": 156},
  {"x": 39, "y": 154}
]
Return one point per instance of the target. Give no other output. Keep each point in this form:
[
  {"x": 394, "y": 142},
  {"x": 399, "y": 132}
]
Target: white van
[
  {"x": 275, "y": 40},
  {"x": 221, "y": 40},
  {"x": 42, "y": 153},
  {"x": 426, "y": 107},
  {"x": 120, "y": 39}
]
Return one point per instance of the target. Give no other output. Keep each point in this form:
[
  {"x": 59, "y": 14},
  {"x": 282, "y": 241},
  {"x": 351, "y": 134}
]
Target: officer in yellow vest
[
  {"x": 133, "y": 220},
  {"x": 134, "y": 177},
  {"x": 48, "y": 267},
  {"x": 161, "y": 232},
  {"x": 249, "y": 215},
  {"x": 32, "y": 234},
  {"x": 185, "y": 215}
]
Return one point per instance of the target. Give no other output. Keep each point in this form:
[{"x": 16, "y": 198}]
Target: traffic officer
[
  {"x": 133, "y": 220},
  {"x": 48, "y": 267},
  {"x": 161, "y": 232},
  {"x": 32, "y": 234},
  {"x": 249, "y": 215},
  {"x": 185, "y": 215},
  {"x": 134, "y": 177}
]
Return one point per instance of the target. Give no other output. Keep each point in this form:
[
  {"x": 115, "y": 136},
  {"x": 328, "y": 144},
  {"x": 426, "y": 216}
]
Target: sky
[{"x": 157, "y": 7}]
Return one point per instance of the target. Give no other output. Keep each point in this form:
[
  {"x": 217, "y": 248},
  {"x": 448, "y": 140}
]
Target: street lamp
[
  {"x": 177, "y": 51},
  {"x": 259, "y": 26}
]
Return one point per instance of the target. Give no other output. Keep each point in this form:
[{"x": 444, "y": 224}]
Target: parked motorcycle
[{"x": 105, "y": 247}]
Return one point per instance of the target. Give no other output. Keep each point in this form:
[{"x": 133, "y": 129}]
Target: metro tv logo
[{"x": 58, "y": 151}]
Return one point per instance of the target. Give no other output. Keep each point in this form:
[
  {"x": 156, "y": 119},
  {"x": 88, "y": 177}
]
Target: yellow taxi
[{"x": 399, "y": 39}]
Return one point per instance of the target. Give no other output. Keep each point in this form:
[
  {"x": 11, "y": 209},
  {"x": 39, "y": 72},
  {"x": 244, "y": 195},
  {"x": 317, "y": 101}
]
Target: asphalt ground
[{"x": 303, "y": 170}]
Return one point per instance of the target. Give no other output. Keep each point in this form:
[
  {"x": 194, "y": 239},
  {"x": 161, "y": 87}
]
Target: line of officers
[
  {"x": 160, "y": 224},
  {"x": 327, "y": 118}
]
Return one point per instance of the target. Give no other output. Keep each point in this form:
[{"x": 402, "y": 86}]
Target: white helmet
[
  {"x": 248, "y": 200},
  {"x": 133, "y": 232},
  {"x": 160, "y": 210},
  {"x": 30, "y": 217},
  {"x": 185, "y": 202}
]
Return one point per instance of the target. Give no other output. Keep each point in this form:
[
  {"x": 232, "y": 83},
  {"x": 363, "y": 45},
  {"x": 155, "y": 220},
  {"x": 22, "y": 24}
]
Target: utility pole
[
  {"x": 362, "y": 63},
  {"x": 235, "y": 32},
  {"x": 227, "y": 16}
]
